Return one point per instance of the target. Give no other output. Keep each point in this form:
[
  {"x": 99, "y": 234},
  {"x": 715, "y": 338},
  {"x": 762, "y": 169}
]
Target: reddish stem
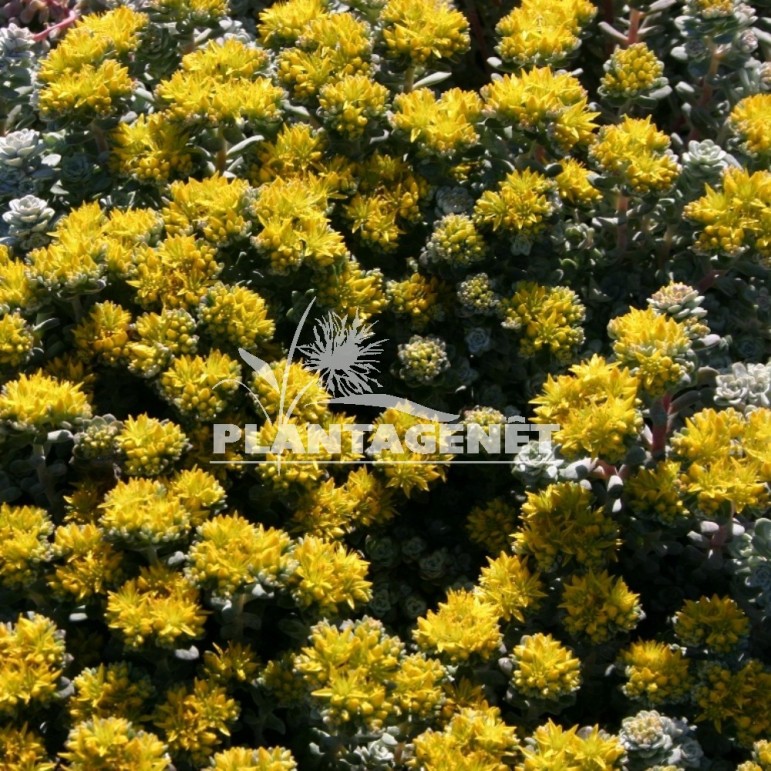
[
  {"x": 71, "y": 18},
  {"x": 635, "y": 17}
]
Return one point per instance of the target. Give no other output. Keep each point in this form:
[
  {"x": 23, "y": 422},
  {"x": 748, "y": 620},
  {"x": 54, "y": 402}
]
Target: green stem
[
  {"x": 222, "y": 152},
  {"x": 622, "y": 204},
  {"x": 409, "y": 79}
]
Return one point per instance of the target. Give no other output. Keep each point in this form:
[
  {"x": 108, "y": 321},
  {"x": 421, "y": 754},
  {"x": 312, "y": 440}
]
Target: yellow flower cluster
[
  {"x": 544, "y": 668},
  {"x": 560, "y": 527},
  {"x": 24, "y": 532},
  {"x": 749, "y": 121},
  {"x": 329, "y": 47},
  {"x": 219, "y": 84},
  {"x": 546, "y": 318},
  {"x": 522, "y": 204},
  {"x": 16, "y": 340},
  {"x": 151, "y": 149},
  {"x": 540, "y": 103},
  {"x": 439, "y": 127},
  {"x": 110, "y": 690},
  {"x": 728, "y": 459},
  {"x": 230, "y": 554},
  {"x": 595, "y": 407},
  {"x": 464, "y": 627},
  {"x": 537, "y": 33},
  {"x": 195, "y": 720},
  {"x": 552, "y": 747},
  {"x": 215, "y": 208},
  {"x": 475, "y": 738},
  {"x": 150, "y": 446},
  {"x": 656, "y": 673},
  {"x": 657, "y": 349},
  {"x": 730, "y": 219},
  {"x": 658, "y": 492},
  {"x": 734, "y": 700},
  {"x": 510, "y": 588},
  {"x": 422, "y": 31},
  {"x": 295, "y": 228},
  {"x": 356, "y": 673},
  {"x": 352, "y": 104},
  {"x": 84, "y": 76},
  {"x": 631, "y": 72},
  {"x": 261, "y": 759},
  {"x": 159, "y": 607},
  {"x": 32, "y": 656},
  {"x": 599, "y": 606},
  {"x": 636, "y": 154},
  {"x": 715, "y": 623}
]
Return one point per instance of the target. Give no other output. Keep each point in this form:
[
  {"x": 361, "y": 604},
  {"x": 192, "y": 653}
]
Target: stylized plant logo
[{"x": 344, "y": 356}]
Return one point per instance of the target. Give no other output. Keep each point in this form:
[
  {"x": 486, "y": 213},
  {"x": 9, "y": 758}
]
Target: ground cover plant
[{"x": 556, "y": 212}]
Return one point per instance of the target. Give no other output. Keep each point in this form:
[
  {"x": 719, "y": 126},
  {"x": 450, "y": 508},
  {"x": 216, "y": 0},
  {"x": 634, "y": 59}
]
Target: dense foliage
[{"x": 557, "y": 211}]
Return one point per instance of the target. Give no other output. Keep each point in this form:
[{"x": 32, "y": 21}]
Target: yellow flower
[
  {"x": 574, "y": 184},
  {"x": 554, "y": 747},
  {"x": 475, "y": 738},
  {"x": 632, "y": 72},
  {"x": 352, "y": 103},
  {"x": 113, "y": 744},
  {"x": 559, "y": 527},
  {"x": 550, "y": 106},
  {"x": 547, "y": 318},
  {"x": 92, "y": 91},
  {"x": 226, "y": 60},
  {"x": 539, "y": 32},
  {"x": 200, "y": 387},
  {"x": 94, "y": 38},
  {"x": 151, "y": 149},
  {"x": 510, "y": 588},
  {"x": 84, "y": 563},
  {"x": 599, "y": 606},
  {"x": 715, "y": 623},
  {"x": 261, "y": 759},
  {"x": 658, "y": 492},
  {"x": 195, "y": 11},
  {"x": 328, "y": 576},
  {"x": 424, "y": 30},
  {"x": 111, "y": 690},
  {"x": 418, "y": 686},
  {"x": 160, "y": 606},
  {"x": 23, "y": 749},
  {"x": 521, "y": 205},
  {"x": 216, "y": 208},
  {"x": 301, "y": 394},
  {"x": 710, "y": 435},
  {"x": 637, "y": 156},
  {"x": 196, "y": 719},
  {"x": 176, "y": 273},
  {"x": 150, "y": 446},
  {"x": 349, "y": 289},
  {"x": 230, "y": 555},
  {"x": 654, "y": 347},
  {"x": 749, "y": 120},
  {"x": 544, "y": 668},
  {"x": 397, "y": 462},
  {"x": 443, "y": 126},
  {"x": 31, "y": 662},
  {"x": 140, "y": 512},
  {"x": 16, "y": 340},
  {"x": 295, "y": 228},
  {"x": 732, "y": 219},
  {"x": 284, "y": 22},
  {"x": 16, "y": 291},
  {"x": 234, "y": 663},
  {"x": 656, "y": 673},
  {"x": 161, "y": 336},
  {"x": 24, "y": 547},
  {"x": 73, "y": 262},
  {"x": 104, "y": 331},
  {"x": 464, "y": 627},
  {"x": 595, "y": 407},
  {"x": 41, "y": 403}
]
